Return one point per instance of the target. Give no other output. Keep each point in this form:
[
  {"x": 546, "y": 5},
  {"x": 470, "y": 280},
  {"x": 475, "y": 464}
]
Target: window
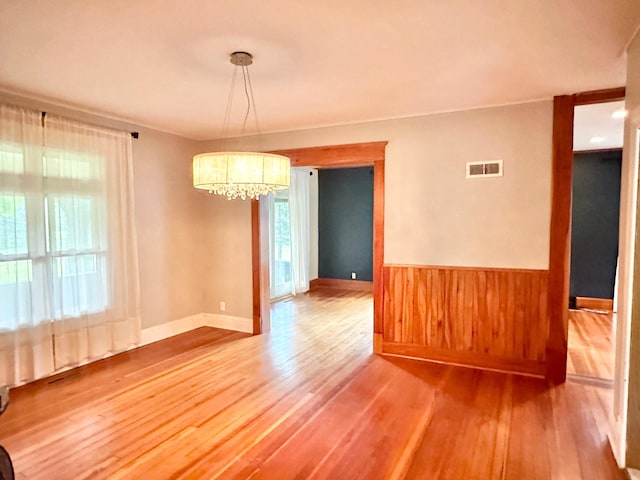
[
  {"x": 15, "y": 265},
  {"x": 53, "y": 243},
  {"x": 280, "y": 251},
  {"x": 69, "y": 285}
]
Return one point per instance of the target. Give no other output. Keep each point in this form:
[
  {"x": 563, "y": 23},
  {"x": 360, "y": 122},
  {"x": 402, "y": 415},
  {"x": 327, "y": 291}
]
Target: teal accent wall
[
  {"x": 345, "y": 223},
  {"x": 594, "y": 223}
]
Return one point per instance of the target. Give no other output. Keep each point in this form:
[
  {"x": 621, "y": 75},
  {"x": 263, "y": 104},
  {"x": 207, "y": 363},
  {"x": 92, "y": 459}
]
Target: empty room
[{"x": 319, "y": 240}]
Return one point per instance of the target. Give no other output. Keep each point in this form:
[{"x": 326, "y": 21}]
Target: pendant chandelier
[{"x": 240, "y": 174}]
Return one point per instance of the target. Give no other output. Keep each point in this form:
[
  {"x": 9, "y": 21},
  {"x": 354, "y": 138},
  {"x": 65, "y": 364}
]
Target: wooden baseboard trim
[
  {"x": 377, "y": 343},
  {"x": 595, "y": 303},
  {"x": 465, "y": 359},
  {"x": 357, "y": 285}
]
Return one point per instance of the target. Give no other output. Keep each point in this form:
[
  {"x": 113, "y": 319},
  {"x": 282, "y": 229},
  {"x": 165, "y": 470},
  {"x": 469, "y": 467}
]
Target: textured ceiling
[{"x": 164, "y": 64}]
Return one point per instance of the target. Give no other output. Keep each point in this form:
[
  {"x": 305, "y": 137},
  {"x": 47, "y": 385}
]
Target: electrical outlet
[
  {"x": 223, "y": 306},
  {"x": 353, "y": 275}
]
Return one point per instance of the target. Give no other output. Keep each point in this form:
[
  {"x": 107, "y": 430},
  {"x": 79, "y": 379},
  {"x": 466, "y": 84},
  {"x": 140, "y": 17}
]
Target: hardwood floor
[
  {"x": 307, "y": 400},
  {"x": 591, "y": 345}
]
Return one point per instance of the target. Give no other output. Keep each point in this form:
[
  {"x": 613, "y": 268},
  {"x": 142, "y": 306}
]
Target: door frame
[
  {"x": 560, "y": 228},
  {"x": 331, "y": 156}
]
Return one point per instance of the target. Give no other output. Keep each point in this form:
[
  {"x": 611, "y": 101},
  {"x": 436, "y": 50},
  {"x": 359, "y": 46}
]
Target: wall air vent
[{"x": 491, "y": 168}]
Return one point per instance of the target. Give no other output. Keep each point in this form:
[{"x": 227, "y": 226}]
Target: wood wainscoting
[{"x": 482, "y": 317}]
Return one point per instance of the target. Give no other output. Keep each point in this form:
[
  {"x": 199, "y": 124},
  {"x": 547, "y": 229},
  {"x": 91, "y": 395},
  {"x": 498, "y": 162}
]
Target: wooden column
[
  {"x": 378, "y": 255},
  {"x": 260, "y": 265},
  {"x": 560, "y": 238}
]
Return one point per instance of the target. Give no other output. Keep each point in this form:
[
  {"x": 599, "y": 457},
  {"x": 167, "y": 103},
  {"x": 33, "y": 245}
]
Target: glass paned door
[{"x": 280, "y": 244}]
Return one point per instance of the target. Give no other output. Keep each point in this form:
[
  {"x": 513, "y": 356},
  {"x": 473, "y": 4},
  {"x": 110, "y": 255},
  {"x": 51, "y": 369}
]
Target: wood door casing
[
  {"x": 331, "y": 156},
  {"x": 560, "y": 225}
]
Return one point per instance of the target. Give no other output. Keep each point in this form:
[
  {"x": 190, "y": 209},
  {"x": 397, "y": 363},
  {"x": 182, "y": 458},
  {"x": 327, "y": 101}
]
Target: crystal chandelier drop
[{"x": 240, "y": 174}]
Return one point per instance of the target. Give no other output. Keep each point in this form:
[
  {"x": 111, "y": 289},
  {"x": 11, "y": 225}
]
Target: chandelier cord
[
  {"x": 227, "y": 113},
  {"x": 253, "y": 104},
  {"x": 245, "y": 73}
]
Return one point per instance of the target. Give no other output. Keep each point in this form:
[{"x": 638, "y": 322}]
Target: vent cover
[{"x": 491, "y": 168}]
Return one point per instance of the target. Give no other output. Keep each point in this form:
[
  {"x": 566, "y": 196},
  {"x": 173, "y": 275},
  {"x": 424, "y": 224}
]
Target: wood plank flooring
[
  {"x": 591, "y": 345},
  {"x": 307, "y": 400}
]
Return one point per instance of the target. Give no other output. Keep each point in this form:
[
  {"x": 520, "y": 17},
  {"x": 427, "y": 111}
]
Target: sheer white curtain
[
  {"x": 68, "y": 259},
  {"x": 26, "y": 350},
  {"x": 299, "y": 219}
]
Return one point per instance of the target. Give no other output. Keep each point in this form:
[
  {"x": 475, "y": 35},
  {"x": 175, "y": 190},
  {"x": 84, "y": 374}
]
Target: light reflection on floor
[{"x": 297, "y": 323}]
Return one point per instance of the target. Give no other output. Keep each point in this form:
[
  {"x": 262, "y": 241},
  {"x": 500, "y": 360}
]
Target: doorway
[
  {"x": 595, "y": 216},
  {"x": 560, "y": 229},
  {"x": 335, "y": 156},
  {"x": 557, "y": 340}
]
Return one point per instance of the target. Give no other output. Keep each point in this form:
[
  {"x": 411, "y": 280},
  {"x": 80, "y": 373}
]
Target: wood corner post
[{"x": 560, "y": 238}]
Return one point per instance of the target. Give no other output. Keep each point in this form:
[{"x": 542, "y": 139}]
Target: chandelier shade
[{"x": 240, "y": 174}]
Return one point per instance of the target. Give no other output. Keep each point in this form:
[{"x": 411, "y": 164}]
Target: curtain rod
[{"x": 133, "y": 134}]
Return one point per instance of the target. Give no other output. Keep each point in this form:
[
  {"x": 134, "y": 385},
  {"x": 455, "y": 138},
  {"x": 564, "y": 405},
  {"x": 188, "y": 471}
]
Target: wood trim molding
[
  {"x": 467, "y": 359},
  {"x": 336, "y": 156},
  {"x": 378, "y": 253},
  {"x": 455, "y": 267},
  {"x": 595, "y": 303},
  {"x": 600, "y": 96},
  {"x": 560, "y": 228},
  {"x": 599, "y": 150},
  {"x": 260, "y": 265},
  {"x": 356, "y": 285},
  {"x": 330, "y": 156},
  {"x": 560, "y": 238}
]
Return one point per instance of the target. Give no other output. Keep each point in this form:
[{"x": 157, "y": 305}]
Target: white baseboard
[
  {"x": 185, "y": 324},
  {"x": 169, "y": 329},
  {"x": 228, "y": 322},
  {"x": 617, "y": 440},
  {"x": 618, "y": 452}
]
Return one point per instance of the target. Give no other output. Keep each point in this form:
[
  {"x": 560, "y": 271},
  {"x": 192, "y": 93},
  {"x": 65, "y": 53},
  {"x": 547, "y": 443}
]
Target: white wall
[
  {"x": 226, "y": 255},
  {"x": 628, "y": 218},
  {"x": 433, "y": 215},
  {"x": 170, "y": 228}
]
